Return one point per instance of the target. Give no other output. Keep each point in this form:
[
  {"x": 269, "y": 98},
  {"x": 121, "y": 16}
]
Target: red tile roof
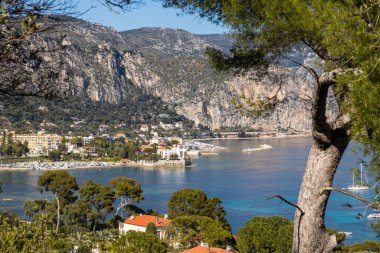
[
  {"x": 143, "y": 220},
  {"x": 143, "y": 147},
  {"x": 205, "y": 249}
]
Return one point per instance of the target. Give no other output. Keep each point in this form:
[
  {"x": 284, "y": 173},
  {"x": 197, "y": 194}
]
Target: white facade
[
  {"x": 87, "y": 140},
  {"x": 144, "y": 128},
  {"x": 179, "y": 150},
  {"x": 179, "y": 124},
  {"x": 166, "y": 126},
  {"x": 139, "y": 224},
  {"x": 124, "y": 228}
]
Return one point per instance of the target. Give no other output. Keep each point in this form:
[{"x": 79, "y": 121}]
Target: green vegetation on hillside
[{"x": 83, "y": 116}]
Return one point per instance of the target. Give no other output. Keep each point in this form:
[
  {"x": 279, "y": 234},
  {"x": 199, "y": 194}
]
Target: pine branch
[{"x": 368, "y": 203}]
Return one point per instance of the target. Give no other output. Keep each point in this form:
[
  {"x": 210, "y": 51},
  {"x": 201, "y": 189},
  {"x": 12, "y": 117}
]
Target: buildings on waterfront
[
  {"x": 39, "y": 144},
  {"x": 166, "y": 148}
]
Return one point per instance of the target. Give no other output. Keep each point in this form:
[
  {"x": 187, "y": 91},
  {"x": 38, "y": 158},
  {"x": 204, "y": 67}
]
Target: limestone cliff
[{"x": 108, "y": 66}]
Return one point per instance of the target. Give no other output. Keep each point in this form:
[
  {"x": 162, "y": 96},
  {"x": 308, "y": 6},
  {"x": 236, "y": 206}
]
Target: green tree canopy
[
  {"x": 151, "y": 228},
  {"x": 99, "y": 199},
  {"x": 41, "y": 212},
  {"x": 128, "y": 188},
  {"x": 139, "y": 242},
  {"x": 34, "y": 207},
  {"x": 195, "y": 202},
  {"x": 192, "y": 230},
  {"x": 76, "y": 141},
  {"x": 62, "y": 185},
  {"x": 366, "y": 246},
  {"x": 265, "y": 235}
]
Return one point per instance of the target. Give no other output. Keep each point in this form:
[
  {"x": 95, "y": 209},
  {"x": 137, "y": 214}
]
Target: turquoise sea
[{"x": 243, "y": 181}]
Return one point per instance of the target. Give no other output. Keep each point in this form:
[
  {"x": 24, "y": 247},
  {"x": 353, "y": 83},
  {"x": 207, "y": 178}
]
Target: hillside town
[{"x": 149, "y": 146}]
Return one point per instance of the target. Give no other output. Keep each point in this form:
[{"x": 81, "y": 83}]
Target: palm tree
[{"x": 80, "y": 239}]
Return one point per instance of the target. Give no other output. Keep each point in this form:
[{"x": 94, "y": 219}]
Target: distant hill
[
  {"x": 110, "y": 67},
  {"x": 166, "y": 42}
]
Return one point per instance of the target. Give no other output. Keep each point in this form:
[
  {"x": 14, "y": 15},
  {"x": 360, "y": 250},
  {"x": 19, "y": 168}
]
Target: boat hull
[{"x": 357, "y": 188}]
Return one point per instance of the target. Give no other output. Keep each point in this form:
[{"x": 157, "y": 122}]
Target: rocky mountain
[{"x": 107, "y": 66}]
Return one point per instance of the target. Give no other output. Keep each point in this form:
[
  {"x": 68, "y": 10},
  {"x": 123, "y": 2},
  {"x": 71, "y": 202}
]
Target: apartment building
[{"x": 39, "y": 144}]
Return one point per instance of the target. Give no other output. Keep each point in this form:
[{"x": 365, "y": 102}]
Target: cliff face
[{"x": 108, "y": 66}]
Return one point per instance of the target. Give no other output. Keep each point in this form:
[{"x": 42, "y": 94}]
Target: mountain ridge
[{"x": 170, "y": 64}]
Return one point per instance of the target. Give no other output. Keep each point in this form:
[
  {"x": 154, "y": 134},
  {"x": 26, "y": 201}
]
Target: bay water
[{"x": 243, "y": 181}]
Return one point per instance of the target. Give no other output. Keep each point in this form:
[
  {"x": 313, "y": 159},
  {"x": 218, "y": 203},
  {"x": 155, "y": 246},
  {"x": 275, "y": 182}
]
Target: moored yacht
[{"x": 360, "y": 186}]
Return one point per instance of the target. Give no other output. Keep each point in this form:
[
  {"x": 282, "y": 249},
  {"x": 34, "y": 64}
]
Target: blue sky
[{"x": 151, "y": 14}]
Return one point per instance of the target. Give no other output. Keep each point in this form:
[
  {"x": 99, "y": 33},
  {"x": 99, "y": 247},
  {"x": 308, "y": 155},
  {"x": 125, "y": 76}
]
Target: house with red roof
[
  {"x": 206, "y": 249},
  {"x": 140, "y": 222}
]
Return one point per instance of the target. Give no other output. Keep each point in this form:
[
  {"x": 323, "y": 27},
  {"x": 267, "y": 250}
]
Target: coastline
[
  {"x": 264, "y": 136},
  {"x": 81, "y": 165},
  {"x": 29, "y": 166}
]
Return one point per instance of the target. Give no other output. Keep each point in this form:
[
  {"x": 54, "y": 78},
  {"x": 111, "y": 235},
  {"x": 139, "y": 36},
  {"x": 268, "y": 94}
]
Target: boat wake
[{"x": 261, "y": 147}]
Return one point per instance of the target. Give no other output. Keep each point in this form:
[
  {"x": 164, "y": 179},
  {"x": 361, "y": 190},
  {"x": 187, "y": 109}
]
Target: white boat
[
  {"x": 261, "y": 147},
  {"x": 375, "y": 215},
  {"x": 361, "y": 186},
  {"x": 6, "y": 199}
]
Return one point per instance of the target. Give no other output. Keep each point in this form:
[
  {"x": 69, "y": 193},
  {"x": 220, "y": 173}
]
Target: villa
[
  {"x": 206, "y": 249},
  {"x": 139, "y": 223},
  {"x": 166, "y": 153}
]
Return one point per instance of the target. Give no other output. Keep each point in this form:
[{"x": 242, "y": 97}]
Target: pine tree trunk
[
  {"x": 330, "y": 139},
  {"x": 310, "y": 235},
  {"x": 58, "y": 213}
]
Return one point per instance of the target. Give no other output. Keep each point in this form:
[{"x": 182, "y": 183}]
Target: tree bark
[
  {"x": 58, "y": 213},
  {"x": 310, "y": 235},
  {"x": 330, "y": 140}
]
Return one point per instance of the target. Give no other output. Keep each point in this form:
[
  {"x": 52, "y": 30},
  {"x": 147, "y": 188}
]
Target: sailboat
[{"x": 361, "y": 186}]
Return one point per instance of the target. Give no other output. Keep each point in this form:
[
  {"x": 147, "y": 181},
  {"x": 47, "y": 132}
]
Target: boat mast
[{"x": 361, "y": 173}]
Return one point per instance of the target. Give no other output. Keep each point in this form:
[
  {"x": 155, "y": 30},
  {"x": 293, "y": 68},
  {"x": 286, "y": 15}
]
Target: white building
[
  {"x": 179, "y": 124},
  {"x": 144, "y": 128},
  {"x": 104, "y": 129},
  {"x": 142, "y": 137},
  {"x": 139, "y": 223},
  {"x": 166, "y": 126},
  {"x": 87, "y": 140},
  {"x": 159, "y": 140},
  {"x": 165, "y": 153},
  {"x": 39, "y": 144}
]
